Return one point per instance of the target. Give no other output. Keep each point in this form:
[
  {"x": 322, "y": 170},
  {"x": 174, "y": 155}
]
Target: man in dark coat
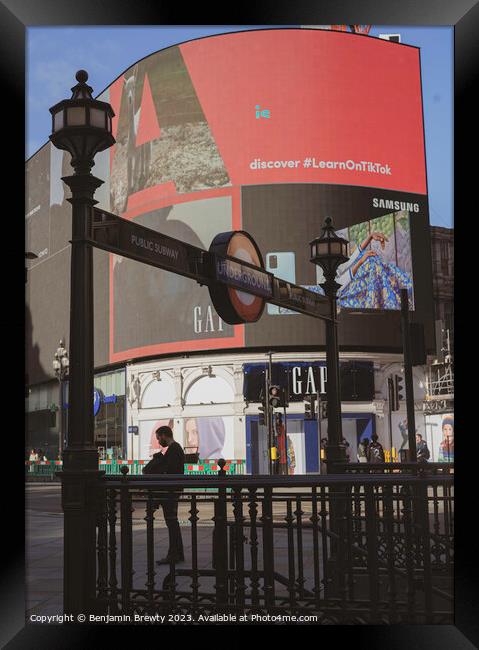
[
  {"x": 375, "y": 450},
  {"x": 421, "y": 449},
  {"x": 170, "y": 462}
]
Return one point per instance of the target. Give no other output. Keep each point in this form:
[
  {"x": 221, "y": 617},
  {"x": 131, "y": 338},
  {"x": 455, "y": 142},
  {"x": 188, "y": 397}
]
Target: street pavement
[
  {"x": 44, "y": 546},
  {"x": 43, "y": 549}
]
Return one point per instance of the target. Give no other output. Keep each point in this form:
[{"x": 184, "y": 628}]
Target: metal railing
[
  {"x": 49, "y": 469},
  {"x": 413, "y": 469},
  {"x": 348, "y": 549}
]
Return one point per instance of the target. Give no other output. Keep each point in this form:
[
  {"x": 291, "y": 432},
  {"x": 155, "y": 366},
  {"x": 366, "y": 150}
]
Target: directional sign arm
[{"x": 293, "y": 296}]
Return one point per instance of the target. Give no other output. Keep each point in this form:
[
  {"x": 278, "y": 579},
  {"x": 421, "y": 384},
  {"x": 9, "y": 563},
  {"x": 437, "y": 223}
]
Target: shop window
[
  {"x": 210, "y": 390},
  {"x": 158, "y": 393},
  {"x": 112, "y": 383},
  {"x": 41, "y": 397},
  {"x": 119, "y": 383},
  {"x": 110, "y": 426}
]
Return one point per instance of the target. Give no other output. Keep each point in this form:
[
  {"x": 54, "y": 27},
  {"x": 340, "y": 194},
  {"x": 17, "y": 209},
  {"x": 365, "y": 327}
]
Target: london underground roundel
[
  {"x": 96, "y": 401},
  {"x": 233, "y": 305}
]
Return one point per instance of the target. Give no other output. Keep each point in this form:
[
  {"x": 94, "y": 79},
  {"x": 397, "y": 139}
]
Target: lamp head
[
  {"x": 82, "y": 125},
  {"x": 328, "y": 250}
]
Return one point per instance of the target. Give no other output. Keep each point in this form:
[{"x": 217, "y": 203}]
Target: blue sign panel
[
  {"x": 96, "y": 401},
  {"x": 244, "y": 277}
]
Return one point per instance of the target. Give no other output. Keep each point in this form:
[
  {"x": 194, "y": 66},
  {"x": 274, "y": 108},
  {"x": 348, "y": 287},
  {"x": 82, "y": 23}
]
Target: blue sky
[{"x": 54, "y": 54}]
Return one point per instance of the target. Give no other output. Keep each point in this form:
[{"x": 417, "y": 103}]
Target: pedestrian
[
  {"x": 363, "y": 450},
  {"x": 281, "y": 439},
  {"x": 170, "y": 462},
  {"x": 32, "y": 458},
  {"x": 323, "y": 445},
  {"x": 375, "y": 451},
  {"x": 345, "y": 445},
  {"x": 422, "y": 452}
]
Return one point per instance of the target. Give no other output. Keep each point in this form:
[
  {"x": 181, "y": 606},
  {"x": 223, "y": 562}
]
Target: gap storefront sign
[{"x": 301, "y": 378}]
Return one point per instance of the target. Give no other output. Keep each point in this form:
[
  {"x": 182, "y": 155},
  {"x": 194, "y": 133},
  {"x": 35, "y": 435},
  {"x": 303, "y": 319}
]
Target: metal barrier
[
  {"x": 47, "y": 469},
  {"x": 414, "y": 469},
  {"x": 347, "y": 549}
]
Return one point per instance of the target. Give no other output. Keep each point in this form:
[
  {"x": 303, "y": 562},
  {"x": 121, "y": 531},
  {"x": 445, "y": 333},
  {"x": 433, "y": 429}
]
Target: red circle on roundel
[{"x": 247, "y": 306}]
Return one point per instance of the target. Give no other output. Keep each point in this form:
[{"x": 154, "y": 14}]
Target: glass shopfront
[
  {"x": 42, "y": 420},
  {"x": 303, "y": 442},
  {"x": 109, "y": 408}
]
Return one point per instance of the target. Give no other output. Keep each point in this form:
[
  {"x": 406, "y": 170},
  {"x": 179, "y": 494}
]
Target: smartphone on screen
[{"x": 282, "y": 265}]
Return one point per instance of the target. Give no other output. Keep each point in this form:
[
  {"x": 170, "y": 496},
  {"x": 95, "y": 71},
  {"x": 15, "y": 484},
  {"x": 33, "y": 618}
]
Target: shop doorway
[
  {"x": 256, "y": 447},
  {"x": 296, "y": 447},
  {"x": 356, "y": 427},
  {"x": 302, "y": 446}
]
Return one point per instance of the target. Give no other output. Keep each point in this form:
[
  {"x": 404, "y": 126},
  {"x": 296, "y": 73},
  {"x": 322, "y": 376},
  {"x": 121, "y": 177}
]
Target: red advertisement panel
[{"x": 312, "y": 106}]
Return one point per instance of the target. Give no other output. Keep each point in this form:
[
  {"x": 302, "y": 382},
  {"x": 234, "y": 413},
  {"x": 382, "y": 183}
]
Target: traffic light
[
  {"x": 309, "y": 412},
  {"x": 399, "y": 390},
  {"x": 323, "y": 410},
  {"x": 276, "y": 397},
  {"x": 392, "y": 397}
]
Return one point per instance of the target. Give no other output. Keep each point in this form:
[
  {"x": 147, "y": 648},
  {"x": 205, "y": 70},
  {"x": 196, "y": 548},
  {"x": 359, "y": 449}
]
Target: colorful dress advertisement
[{"x": 379, "y": 265}]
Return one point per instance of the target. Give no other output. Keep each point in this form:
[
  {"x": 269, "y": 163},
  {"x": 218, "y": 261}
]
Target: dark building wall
[{"x": 442, "y": 248}]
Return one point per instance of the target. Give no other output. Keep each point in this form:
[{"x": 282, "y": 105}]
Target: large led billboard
[{"x": 270, "y": 132}]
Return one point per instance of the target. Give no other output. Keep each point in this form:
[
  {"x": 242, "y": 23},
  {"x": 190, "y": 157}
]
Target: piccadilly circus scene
[{"x": 239, "y": 267}]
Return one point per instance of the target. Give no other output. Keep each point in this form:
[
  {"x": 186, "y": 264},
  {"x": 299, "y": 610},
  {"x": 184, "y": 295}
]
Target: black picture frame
[{"x": 15, "y": 17}]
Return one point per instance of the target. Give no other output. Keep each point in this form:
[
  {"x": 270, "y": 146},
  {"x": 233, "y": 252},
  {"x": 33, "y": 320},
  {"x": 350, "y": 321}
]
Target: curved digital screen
[{"x": 268, "y": 132}]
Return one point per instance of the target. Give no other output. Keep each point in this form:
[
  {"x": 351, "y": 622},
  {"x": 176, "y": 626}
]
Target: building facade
[
  {"x": 207, "y": 401},
  {"x": 442, "y": 246}
]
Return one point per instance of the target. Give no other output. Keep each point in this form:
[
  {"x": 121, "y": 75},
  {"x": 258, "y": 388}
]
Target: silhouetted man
[
  {"x": 170, "y": 462},
  {"x": 375, "y": 450},
  {"x": 421, "y": 449}
]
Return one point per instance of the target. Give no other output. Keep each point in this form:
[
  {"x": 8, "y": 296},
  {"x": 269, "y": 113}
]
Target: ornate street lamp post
[
  {"x": 82, "y": 126},
  {"x": 329, "y": 251},
  {"x": 60, "y": 367}
]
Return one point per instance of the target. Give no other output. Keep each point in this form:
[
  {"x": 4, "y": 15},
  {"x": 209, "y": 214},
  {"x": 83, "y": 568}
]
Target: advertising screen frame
[{"x": 239, "y": 338}]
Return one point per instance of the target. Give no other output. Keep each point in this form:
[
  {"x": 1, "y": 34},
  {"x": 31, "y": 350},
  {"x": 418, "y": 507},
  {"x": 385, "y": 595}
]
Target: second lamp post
[
  {"x": 330, "y": 251},
  {"x": 61, "y": 364}
]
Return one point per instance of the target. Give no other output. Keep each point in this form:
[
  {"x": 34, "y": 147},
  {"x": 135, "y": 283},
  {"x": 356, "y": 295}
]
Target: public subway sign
[{"x": 129, "y": 239}]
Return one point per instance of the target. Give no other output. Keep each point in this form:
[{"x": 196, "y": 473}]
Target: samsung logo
[{"x": 397, "y": 206}]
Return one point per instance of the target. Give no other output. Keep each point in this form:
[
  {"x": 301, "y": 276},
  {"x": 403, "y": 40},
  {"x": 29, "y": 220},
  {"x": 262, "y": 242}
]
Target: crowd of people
[
  {"x": 37, "y": 454},
  {"x": 371, "y": 451}
]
